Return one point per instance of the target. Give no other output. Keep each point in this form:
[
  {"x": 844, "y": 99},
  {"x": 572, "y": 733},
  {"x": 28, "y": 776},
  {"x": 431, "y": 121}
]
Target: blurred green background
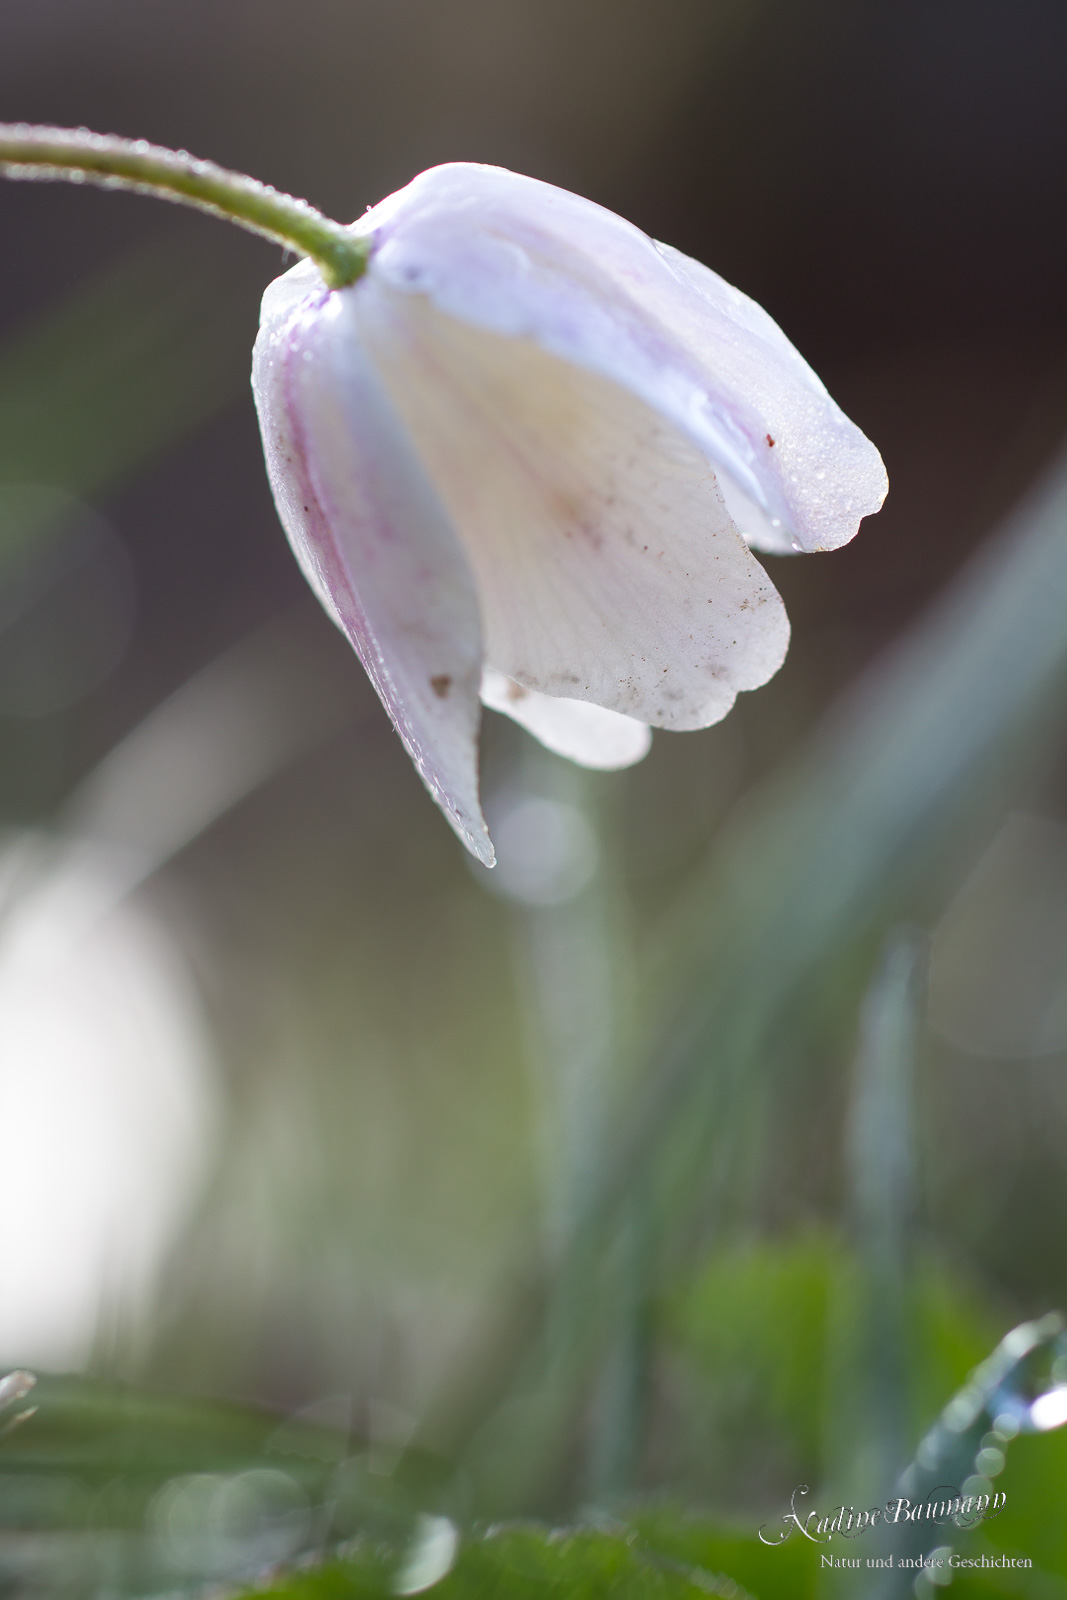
[{"x": 705, "y": 1149}]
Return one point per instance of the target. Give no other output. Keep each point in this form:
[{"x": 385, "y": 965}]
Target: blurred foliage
[
  {"x": 102, "y": 1440},
  {"x": 197, "y": 1490},
  {"x": 769, "y": 1330},
  {"x": 93, "y": 390},
  {"x": 654, "y": 1560}
]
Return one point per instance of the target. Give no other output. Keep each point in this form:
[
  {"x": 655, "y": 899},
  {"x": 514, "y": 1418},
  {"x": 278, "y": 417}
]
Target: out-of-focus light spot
[
  {"x": 961, "y": 1411},
  {"x": 109, "y": 1103},
  {"x": 15, "y": 1386},
  {"x": 1018, "y": 1342},
  {"x": 936, "y": 1568},
  {"x": 546, "y": 851},
  {"x": 430, "y": 1556},
  {"x": 66, "y": 600},
  {"x": 990, "y": 1461},
  {"x": 1049, "y": 1410},
  {"x": 215, "y": 1526}
]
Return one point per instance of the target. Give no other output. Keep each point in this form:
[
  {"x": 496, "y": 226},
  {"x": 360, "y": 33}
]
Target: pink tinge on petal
[
  {"x": 519, "y": 257},
  {"x": 372, "y": 536},
  {"x": 607, "y": 567}
]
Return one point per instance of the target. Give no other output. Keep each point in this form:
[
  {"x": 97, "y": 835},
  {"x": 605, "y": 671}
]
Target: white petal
[
  {"x": 576, "y": 729},
  {"x": 372, "y": 535},
  {"x": 607, "y": 566},
  {"x": 520, "y": 257}
]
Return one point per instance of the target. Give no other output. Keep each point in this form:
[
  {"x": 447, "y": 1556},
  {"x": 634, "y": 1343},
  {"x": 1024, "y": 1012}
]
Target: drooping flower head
[{"x": 522, "y": 461}]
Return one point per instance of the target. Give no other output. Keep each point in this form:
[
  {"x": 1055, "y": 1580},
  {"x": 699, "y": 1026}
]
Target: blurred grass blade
[
  {"x": 560, "y": 864},
  {"x": 879, "y": 1147},
  {"x": 880, "y": 1137},
  {"x": 87, "y": 1435}
]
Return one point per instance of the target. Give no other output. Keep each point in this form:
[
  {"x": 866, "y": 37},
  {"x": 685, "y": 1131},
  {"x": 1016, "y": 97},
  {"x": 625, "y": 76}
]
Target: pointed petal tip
[
  {"x": 464, "y": 816},
  {"x": 480, "y": 846},
  {"x": 345, "y": 478}
]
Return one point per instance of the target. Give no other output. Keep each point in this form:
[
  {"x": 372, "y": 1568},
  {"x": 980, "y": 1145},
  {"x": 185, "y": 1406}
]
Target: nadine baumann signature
[{"x": 942, "y": 1506}]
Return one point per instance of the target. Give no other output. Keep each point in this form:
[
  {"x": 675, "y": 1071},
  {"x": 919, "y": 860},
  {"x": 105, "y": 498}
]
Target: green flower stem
[{"x": 78, "y": 156}]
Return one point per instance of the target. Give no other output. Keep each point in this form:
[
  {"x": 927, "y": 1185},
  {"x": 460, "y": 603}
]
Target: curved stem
[{"x": 78, "y": 156}]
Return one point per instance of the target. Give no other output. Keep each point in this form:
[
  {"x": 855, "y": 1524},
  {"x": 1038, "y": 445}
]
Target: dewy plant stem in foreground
[{"x": 75, "y": 155}]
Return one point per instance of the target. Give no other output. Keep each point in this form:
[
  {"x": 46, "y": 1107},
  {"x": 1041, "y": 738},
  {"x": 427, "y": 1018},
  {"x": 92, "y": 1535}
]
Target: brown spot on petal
[
  {"x": 441, "y": 685},
  {"x": 770, "y": 441}
]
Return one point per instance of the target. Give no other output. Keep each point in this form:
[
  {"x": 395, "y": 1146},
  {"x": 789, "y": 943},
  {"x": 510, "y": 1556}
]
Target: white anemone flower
[{"x": 522, "y": 461}]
